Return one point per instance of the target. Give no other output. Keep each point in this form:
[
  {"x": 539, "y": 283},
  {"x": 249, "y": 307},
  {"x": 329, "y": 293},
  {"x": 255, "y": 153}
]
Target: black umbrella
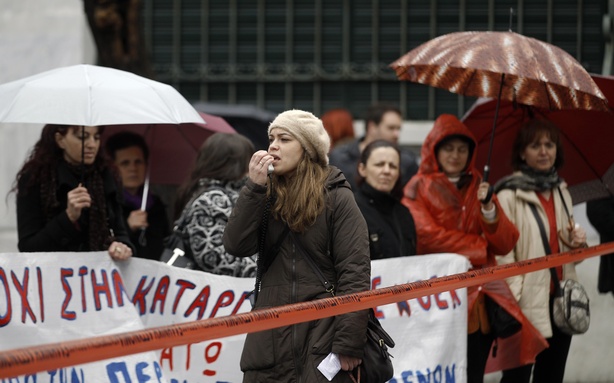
[{"x": 248, "y": 120}]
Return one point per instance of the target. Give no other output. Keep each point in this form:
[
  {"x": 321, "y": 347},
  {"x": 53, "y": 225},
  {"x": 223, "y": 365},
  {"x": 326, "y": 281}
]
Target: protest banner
[{"x": 49, "y": 297}]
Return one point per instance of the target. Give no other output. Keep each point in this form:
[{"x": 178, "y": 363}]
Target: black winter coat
[
  {"x": 600, "y": 214},
  {"x": 292, "y": 353},
  {"x": 392, "y": 232},
  {"x": 38, "y": 234}
]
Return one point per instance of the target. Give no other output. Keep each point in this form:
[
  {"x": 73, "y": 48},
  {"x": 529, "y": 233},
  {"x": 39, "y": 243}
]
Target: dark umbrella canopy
[
  {"x": 587, "y": 141},
  {"x": 248, "y": 120}
]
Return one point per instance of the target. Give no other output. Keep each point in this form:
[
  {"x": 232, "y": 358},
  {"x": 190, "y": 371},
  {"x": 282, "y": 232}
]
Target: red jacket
[{"x": 449, "y": 220}]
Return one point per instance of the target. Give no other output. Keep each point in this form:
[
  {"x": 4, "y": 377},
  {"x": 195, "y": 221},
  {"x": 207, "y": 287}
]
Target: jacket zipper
[{"x": 295, "y": 351}]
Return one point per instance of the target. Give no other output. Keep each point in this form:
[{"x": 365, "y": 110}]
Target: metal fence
[{"x": 317, "y": 55}]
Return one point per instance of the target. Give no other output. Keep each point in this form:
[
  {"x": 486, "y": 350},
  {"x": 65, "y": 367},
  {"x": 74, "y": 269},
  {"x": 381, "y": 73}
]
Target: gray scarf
[{"x": 530, "y": 179}]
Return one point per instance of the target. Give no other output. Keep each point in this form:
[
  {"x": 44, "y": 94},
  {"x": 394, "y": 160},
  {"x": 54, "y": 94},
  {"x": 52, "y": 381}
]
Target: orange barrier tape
[{"x": 56, "y": 355}]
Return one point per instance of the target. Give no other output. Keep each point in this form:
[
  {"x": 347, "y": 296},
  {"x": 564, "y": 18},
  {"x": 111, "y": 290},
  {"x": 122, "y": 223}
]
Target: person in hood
[
  {"x": 312, "y": 208},
  {"x": 68, "y": 197},
  {"x": 453, "y": 214},
  {"x": 391, "y": 228},
  {"x": 537, "y": 154}
]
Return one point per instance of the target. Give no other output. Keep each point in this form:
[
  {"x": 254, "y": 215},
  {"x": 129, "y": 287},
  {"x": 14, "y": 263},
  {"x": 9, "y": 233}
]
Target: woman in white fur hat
[{"x": 303, "y": 206}]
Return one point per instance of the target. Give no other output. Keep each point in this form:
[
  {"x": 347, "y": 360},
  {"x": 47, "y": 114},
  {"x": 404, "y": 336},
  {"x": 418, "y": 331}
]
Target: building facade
[{"x": 317, "y": 55}]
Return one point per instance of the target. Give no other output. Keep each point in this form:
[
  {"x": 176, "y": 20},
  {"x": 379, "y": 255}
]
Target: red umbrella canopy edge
[{"x": 586, "y": 138}]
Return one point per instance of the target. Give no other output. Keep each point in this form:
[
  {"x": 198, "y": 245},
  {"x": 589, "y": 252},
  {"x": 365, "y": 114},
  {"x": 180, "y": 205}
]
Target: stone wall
[{"x": 35, "y": 36}]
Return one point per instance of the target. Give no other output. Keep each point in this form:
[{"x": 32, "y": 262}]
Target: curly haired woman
[{"x": 68, "y": 199}]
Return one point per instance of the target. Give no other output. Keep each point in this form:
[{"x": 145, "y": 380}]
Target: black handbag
[
  {"x": 376, "y": 364},
  {"x": 177, "y": 250},
  {"x": 502, "y": 323}
]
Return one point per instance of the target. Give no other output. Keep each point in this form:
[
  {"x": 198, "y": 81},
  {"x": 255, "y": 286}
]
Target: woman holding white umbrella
[{"x": 67, "y": 196}]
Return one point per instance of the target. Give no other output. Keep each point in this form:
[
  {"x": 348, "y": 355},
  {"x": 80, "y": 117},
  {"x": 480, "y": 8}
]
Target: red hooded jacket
[{"x": 449, "y": 220}]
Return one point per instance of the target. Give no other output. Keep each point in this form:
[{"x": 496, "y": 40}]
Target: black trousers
[
  {"x": 478, "y": 348},
  {"x": 549, "y": 364}
]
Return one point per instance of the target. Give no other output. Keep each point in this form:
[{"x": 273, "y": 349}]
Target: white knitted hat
[{"x": 308, "y": 130}]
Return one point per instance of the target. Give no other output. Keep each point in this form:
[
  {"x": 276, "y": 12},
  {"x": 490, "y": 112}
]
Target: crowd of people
[{"x": 319, "y": 193}]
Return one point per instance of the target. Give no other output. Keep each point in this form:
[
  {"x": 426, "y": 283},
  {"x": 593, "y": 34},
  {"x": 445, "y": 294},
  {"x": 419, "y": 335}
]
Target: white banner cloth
[{"x": 54, "y": 297}]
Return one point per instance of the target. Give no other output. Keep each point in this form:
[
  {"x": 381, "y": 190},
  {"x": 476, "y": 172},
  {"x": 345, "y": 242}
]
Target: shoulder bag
[
  {"x": 502, "y": 323},
  {"x": 570, "y": 308},
  {"x": 376, "y": 364}
]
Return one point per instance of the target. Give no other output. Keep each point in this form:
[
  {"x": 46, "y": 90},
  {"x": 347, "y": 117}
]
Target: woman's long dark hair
[
  {"x": 223, "y": 157},
  {"x": 41, "y": 170},
  {"x": 44, "y": 158}
]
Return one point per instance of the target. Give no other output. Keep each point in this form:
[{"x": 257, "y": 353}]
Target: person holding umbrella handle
[
  {"x": 144, "y": 212},
  {"x": 67, "y": 196},
  {"x": 535, "y": 193},
  {"x": 453, "y": 213},
  {"x": 79, "y": 200}
]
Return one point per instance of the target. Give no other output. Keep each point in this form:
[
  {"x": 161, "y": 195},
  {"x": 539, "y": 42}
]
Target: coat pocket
[{"x": 258, "y": 351}]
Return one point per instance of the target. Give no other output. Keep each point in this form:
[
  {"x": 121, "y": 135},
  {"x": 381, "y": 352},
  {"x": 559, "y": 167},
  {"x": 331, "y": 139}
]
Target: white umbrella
[{"x": 91, "y": 95}]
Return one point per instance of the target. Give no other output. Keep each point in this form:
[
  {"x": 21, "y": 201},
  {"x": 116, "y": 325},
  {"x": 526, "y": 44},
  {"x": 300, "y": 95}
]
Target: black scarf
[
  {"x": 530, "y": 179},
  {"x": 94, "y": 219}
]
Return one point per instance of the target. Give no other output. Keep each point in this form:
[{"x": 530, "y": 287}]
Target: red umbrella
[
  {"x": 506, "y": 65},
  {"x": 587, "y": 140},
  {"x": 173, "y": 147}
]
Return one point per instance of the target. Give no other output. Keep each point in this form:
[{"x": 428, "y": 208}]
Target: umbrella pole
[
  {"x": 142, "y": 239},
  {"x": 82, "y": 175},
  {"x": 145, "y": 191},
  {"x": 492, "y": 134}
]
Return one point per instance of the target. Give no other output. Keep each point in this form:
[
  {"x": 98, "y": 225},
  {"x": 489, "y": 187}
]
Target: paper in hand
[{"x": 330, "y": 366}]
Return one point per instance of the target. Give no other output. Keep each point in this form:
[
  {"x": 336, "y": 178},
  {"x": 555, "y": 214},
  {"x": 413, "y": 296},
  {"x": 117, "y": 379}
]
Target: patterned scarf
[{"x": 530, "y": 179}]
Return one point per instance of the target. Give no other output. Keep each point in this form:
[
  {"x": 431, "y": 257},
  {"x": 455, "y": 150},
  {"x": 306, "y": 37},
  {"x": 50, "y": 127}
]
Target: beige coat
[{"x": 532, "y": 290}]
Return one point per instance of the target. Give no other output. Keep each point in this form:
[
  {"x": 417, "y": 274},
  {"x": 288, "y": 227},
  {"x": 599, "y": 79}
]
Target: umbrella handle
[
  {"x": 142, "y": 239},
  {"x": 489, "y": 195}
]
